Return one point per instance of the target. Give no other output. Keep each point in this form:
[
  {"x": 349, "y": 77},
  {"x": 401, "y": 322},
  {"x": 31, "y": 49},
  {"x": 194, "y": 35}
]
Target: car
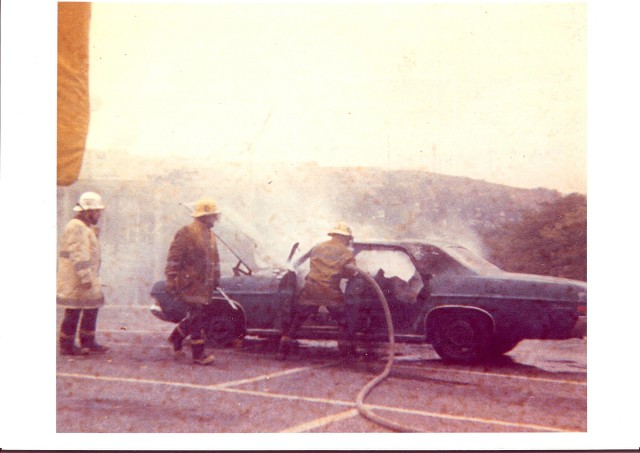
[{"x": 438, "y": 293}]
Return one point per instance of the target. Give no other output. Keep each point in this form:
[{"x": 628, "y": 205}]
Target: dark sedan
[{"x": 438, "y": 293}]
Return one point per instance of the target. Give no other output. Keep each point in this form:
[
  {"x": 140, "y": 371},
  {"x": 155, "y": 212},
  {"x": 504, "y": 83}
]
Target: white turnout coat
[{"x": 78, "y": 263}]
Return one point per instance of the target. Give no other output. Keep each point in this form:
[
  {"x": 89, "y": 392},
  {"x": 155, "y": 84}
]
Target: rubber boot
[
  {"x": 284, "y": 348},
  {"x": 199, "y": 357},
  {"x": 68, "y": 347},
  {"x": 88, "y": 333},
  {"x": 176, "y": 338},
  {"x": 89, "y": 345},
  {"x": 68, "y": 332},
  {"x": 347, "y": 350}
]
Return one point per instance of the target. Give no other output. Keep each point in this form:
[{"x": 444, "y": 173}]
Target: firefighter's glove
[
  {"x": 171, "y": 287},
  {"x": 86, "y": 286}
]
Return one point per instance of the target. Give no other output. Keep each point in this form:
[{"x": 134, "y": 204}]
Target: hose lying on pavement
[{"x": 362, "y": 409}]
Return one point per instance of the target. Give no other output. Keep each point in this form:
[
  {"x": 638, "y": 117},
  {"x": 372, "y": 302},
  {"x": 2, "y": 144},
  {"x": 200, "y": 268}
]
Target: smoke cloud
[{"x": 265, "y": 210}]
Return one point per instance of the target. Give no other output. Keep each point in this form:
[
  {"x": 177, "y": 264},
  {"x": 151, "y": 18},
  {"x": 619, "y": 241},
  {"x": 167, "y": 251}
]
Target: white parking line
[
  {"x": 264, "y": 376},
  {"x": 125, "y": 330},
  {"x": 510, "y": 376},
  {"x": 400, "y": 364},
  {"x": 221, "y": 388},
  {"x": 469, "y": 419},
  {"x": 308, "y": 426}
]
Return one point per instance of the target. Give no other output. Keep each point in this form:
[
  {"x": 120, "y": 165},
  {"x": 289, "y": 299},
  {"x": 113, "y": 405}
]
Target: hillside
[{"x": 281, "y": 204}]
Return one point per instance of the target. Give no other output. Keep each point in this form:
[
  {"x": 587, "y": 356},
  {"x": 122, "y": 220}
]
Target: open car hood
[{"x": 244, "y": 242}]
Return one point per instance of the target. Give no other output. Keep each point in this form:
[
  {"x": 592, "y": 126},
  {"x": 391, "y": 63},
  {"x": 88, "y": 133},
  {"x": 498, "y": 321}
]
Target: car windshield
[
  {"x": 471, "y": 260},
  {"x": 450, "y": 259},
  {"x": 239, "y": 241}
]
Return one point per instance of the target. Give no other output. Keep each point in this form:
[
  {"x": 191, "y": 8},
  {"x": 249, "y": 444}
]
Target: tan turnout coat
[
  {"x": 78, "y": 263},
  {"x": 322, "y": 284},
  {"x": 193, "y": 264}
]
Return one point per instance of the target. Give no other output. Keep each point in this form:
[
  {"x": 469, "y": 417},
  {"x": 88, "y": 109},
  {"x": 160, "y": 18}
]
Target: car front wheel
[{"x": 462, "y": 338}]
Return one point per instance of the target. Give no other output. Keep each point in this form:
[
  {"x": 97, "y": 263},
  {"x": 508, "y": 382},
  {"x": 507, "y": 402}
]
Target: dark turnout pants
[
  {"x": 70, "y": 325},
  {"x": 192, "y": 325},
  {"x": 345, "y": 316}
]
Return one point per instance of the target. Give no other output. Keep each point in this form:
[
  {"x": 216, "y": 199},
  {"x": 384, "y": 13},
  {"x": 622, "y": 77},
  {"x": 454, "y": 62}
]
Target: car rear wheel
[
  {"x": 462, "y": 338},
  {"x": 223, "y": 328}
]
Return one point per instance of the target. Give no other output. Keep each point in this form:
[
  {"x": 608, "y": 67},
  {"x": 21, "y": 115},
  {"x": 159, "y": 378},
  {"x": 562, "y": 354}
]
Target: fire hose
[{"x": 362, "y": 408}]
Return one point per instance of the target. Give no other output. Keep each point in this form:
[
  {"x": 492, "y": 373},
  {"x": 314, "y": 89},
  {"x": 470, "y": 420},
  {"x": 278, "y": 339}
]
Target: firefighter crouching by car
[
  {"x": 328, "y": 261},
  {"x": 193, "y": 273},
  {"x": 79, "y": 289}
]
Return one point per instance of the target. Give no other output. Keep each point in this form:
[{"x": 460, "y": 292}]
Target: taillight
[{"x": 582, "y": 310}]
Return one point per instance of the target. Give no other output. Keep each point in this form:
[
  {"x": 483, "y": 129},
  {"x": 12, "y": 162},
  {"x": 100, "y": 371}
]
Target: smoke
[
  {"x": 264, "y": 212},
  {"x": 453, "y": 229},
  {"x": 284, "y": 213}
]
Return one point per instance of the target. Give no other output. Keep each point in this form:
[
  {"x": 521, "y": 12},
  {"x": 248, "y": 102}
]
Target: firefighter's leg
[
  {"x": 197, "y": 337},
  {"x": 177, "y": 337},
  {"x": 88, "y": 333},
  {"x": 288, "y": 314},
  {"x": 347, "y": 329},
  {"x": 184, "y": 326},
  {"x": 285, "y": 315},
  {"x": 68, "y": 332},
  {"x": 352, "y": 318},
  {"x": 288, "y": 340},
  {"x": 179, "y": 333}
]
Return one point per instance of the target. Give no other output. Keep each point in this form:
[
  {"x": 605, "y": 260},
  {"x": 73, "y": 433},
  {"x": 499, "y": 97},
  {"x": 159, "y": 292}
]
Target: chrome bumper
[{"x": 158, "y": 313}]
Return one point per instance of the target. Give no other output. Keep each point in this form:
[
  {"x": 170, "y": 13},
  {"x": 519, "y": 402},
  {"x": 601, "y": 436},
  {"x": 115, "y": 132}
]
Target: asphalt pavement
[{"x": 139, "y": 387}]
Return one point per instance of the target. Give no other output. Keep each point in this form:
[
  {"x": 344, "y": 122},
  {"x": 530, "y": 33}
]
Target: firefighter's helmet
[
  {"x": 341, "y": 229},
  {"x": 88, "y": 201},
  {"x": 206, "y": 206}
]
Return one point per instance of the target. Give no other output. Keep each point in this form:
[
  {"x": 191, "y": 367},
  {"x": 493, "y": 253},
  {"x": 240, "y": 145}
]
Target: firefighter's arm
[
  {"x": 171, "y": 286},
  {"x": 174, "y": 262},
  {"x": 349, "y": 268},
  {"x": 80, "y": 254},
  {"x": 216, "y": 272},
  {"x": 216, "y": 261}
]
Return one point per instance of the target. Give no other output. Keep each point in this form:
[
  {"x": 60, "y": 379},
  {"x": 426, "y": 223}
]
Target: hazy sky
[{"x": 495, "y": 92}]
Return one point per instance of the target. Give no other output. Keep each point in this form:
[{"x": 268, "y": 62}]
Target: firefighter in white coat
[{"x": 79, "y": 289}]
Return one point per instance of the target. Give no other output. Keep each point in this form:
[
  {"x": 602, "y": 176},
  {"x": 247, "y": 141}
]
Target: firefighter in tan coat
[
  {"x": 193, "y": 273},
  {"x": 330, "y": 261},
  {"x": 79, "y": 289}
]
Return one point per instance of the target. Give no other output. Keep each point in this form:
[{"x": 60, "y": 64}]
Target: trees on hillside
[{"x": 548, "y": 241}]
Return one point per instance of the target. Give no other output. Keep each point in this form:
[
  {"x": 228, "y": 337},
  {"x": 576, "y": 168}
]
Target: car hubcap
[{"x": 460, "y": 335}]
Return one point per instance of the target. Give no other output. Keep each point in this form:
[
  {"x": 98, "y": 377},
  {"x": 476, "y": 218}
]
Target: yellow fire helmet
[
  {"x": 203, "y": 207},
  {"x": 342, "y": 229}
]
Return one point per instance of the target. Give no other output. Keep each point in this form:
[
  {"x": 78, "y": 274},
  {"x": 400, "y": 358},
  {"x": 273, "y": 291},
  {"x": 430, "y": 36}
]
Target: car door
[{"x": 400, "y": 282}]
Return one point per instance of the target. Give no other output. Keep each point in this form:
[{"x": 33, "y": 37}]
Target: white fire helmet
[
  {"x": 88, "y": 201},
  {"x": 342, "y": 229},
  {"x": 203, "y": 207}
]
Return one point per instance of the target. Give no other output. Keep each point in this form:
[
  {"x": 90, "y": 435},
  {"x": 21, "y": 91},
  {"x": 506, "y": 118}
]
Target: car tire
[
  {"x": 503, "y": 345},
  {"x": 223, "y": 329},
  {"x": 462, "y": 338}
]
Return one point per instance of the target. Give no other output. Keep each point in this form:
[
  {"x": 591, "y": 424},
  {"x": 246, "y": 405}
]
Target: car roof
[{"x": 404, "y": 242}]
